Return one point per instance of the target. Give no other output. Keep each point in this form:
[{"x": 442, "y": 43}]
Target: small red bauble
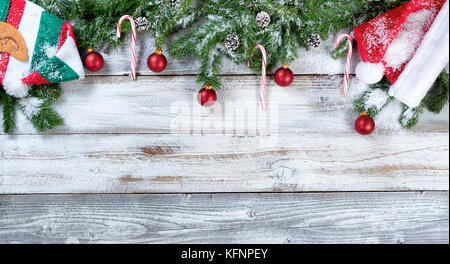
[
  {"x": 157, "y": 62},
  {"x": 93, "y": 61},
  {"x": 365, "y": 125},
  {"x": 284, "y": 76},
  {"x": 207, "y": 96}
]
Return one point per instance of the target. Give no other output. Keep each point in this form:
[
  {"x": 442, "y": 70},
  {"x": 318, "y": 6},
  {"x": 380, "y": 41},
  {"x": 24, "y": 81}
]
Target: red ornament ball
[
  {"x": 93, "y": 61},
  {"x": 284, "y": 76},
  {"x": 207, "y": 97},
  {"x": 365, "y": 125},
  {"x": 157, "y": 62}
]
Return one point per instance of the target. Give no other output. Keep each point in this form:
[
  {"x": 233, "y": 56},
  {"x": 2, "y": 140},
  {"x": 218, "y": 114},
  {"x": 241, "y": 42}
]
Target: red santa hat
[{"x": 389, "y": 43}]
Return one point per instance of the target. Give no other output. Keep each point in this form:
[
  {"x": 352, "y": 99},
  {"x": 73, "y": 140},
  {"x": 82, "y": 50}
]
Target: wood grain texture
[
  {"x": 132, "y": 163},
  {"x": 154, "y": 104},
  {"x": 232, "y": 218},
  {"x": 314, "y": 61}
]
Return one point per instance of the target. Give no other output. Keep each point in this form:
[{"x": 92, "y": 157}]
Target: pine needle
[{"x": 8, "y": 104}]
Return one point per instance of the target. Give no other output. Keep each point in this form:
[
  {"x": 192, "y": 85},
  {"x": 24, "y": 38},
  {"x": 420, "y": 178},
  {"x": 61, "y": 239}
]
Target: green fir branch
[
  {"x": 43, "y": 116},
  {"x": 48, "y": 92},
  {"x": 207, "y": 41},
  {"x": 46, "y": 119},
  {"x": 292, "y": 23},
  {"x": 436, "y": 104},
  {"x": 379, "y": 90},
  {"x": 95, "y": 21},
  {"x": 43, "y": 119},
  {"x": 410, "y": 116},
  {"x": 8, "y": 104},
  {"x": 340, "y": 51}
]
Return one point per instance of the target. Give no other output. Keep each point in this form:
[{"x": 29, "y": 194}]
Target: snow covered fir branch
[
  {"x": 225, "y": 29},
  {"x": 377, "y": 99},
  {"x": 232, "y": 29},
  {"x": 95, "y": 21},
  {"x": 36, "y": 107}
]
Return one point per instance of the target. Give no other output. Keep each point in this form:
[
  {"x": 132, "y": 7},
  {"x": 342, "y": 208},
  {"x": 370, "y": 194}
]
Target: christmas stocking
[
  {"x": 36, "y": 47},
  {"x": 409, "y": 44}
]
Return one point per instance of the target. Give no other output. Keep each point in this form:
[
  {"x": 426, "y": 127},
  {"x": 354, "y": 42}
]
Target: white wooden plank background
[
  {"x": 226, "y": 218},
  {"x": 165, "y": 163},
  {"x": 117, "y": 148},
  {"x": 312, "y": 104}
]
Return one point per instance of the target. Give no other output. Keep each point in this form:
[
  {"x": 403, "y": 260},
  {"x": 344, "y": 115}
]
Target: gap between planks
[{"x": 421, "y": 192}]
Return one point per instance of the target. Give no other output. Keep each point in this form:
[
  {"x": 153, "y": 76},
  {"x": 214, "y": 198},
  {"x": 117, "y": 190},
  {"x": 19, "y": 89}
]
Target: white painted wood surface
[
  {"x": 118, "y": 141},
  {"x": 215, "y": 163},
  {"x": 226, "y": 218},
  {"x": 312, "y": 104}
]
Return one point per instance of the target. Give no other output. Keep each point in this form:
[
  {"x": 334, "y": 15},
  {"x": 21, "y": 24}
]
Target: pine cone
[
  {"x": 175, "y": 3},
  {"x": 263, "y": 19},
  {"x": 232, "y": 42},
  {"x": 314, "y": 40}
]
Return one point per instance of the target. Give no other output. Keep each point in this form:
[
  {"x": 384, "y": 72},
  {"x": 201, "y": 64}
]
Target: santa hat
[
  {"x": 51, "y": 53},
  {"x": 409, "y": 45}
]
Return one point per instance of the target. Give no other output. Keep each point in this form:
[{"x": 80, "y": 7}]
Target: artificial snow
[
  {"x": 50, "y": 51},
  {"x": 186, "y": 20},
  {"x": 404, "y": 46},
  {"x": 381, "y": 35},
  {"x": 30, "y": 106},
  {"x": 376, "y": 99},
  {"x": 388, "y": 118},
  {"x": 318, "y": 60}
]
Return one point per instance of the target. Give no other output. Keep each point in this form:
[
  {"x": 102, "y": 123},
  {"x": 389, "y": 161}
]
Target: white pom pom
[
  {"x": 370, "y": 73},
  {"x": 15, "y": 87}
]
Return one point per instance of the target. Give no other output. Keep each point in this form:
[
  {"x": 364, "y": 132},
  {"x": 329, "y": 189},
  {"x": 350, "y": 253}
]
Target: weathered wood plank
[
  {"x": 314, "y": 61},
  {"x": 231, "y": 218},
  {"x": 154, "y": 104},
  {"x": 216, "y": 163}
]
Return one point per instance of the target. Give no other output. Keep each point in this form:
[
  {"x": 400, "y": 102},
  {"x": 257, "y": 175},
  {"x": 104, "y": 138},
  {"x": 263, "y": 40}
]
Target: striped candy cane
[
  {"x": 349, "y": 59},
  {"x": 133, "y": 43},
  {"x": 262, "y": 98}
]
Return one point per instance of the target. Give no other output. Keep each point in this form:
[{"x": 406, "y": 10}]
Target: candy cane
[
  {"x": 349, "y": 59},
  {"x": 133, "y": 43},
  {"x": 262, "y": 98}
]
